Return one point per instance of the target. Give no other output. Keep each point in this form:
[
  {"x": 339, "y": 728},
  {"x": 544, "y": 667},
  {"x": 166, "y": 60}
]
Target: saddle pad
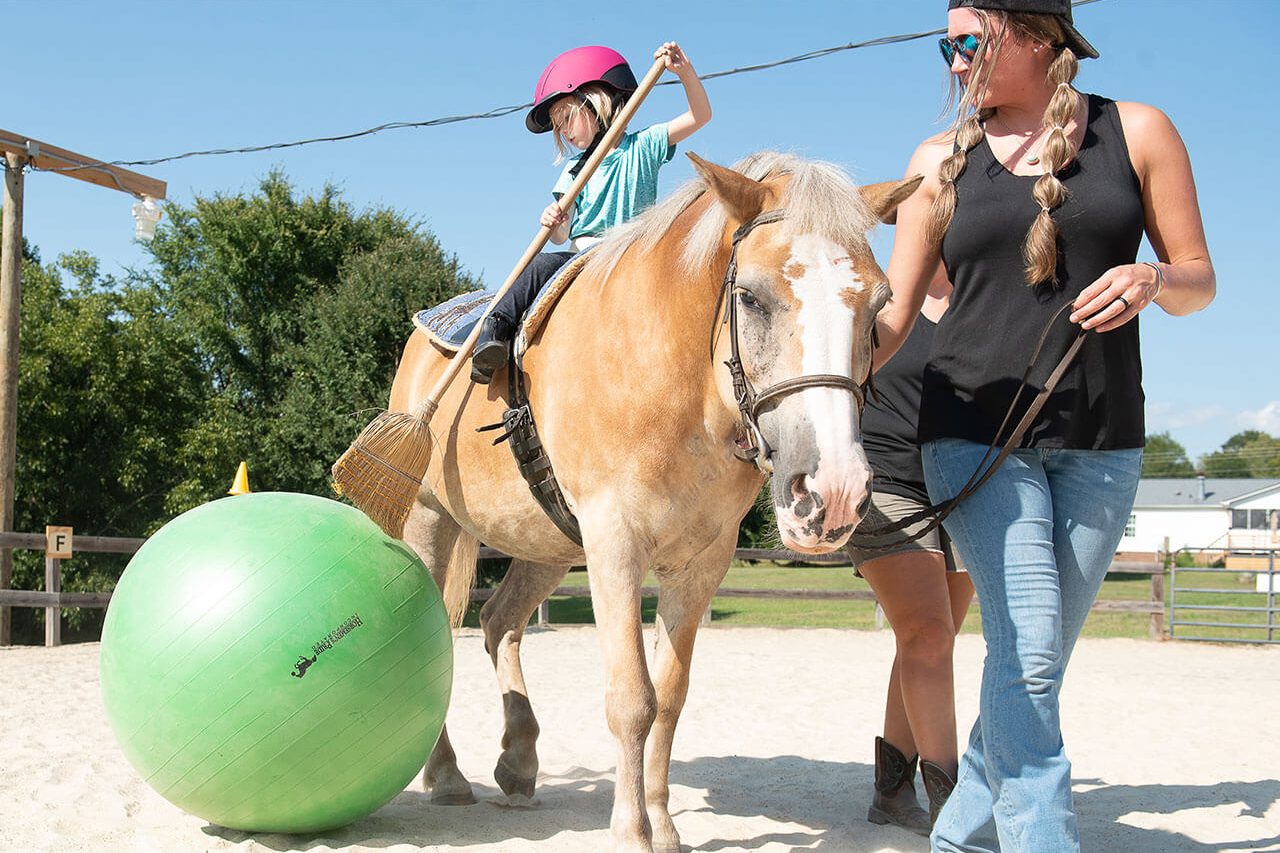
[
  {"x": 546, "y": 300},
  {"x": 449, "y": 323}
]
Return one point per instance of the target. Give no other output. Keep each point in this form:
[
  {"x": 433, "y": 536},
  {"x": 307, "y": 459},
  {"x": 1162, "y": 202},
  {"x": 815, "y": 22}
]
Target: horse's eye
[{"x": 749, "y": 300}]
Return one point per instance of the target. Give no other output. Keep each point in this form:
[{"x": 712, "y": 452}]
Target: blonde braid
[
  {"x": 1040, "y": 249},
  {"x": 968, "y": 129},
  {"x": 968, "y": 135}
]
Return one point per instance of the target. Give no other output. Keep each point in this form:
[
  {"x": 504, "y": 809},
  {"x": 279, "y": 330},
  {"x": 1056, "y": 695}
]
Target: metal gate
[{"x": 1227, "y": 605}]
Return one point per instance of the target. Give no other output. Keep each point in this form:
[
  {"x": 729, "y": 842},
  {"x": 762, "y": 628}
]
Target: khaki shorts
[{"x": 887, "y": 509}]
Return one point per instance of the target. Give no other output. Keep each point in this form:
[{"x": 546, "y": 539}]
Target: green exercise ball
[{"x": 274, "y": 662}]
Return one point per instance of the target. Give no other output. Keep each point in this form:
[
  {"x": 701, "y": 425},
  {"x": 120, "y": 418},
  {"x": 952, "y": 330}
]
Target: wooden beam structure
[
  {"x": 10, "y": 320},
  {"x": 18, "y": 153},
  {"x": 42, "y": 155}
]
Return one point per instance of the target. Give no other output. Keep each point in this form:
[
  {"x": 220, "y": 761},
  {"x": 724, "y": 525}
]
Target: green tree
[
  {"x": 1251, "y": 453},
  {"x": 297, "y": 308},
  {"x": 106, "y": 383},
  {"x": 759, "y": 529},
  {"x": 1165, "y": 457},
  {"x": 267, "y": 328}
]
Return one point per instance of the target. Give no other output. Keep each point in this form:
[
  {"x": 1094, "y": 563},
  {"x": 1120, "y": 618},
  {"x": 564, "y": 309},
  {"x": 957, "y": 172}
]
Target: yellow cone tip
[{"x": 241, "y": 484}]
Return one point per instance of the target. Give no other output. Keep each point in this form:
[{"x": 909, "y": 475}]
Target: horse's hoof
[
  {"x": 666, "y": 842},
  {"x": 447, "y": 787},
  {"x": 453, "y": 798},
  {"x": 511, "y": 784}
]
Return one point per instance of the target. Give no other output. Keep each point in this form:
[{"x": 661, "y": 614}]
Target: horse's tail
[{"x": 459, "y": 576}]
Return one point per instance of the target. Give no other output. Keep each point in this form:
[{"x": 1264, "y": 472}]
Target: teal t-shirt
[{"x": 624, "y": 184}]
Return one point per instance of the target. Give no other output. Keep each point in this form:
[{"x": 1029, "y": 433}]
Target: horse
[{"x": 659, "y": 449}]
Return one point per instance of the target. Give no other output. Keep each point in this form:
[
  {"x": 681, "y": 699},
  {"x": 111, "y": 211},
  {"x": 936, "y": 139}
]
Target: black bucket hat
[{"x": 1062, "y": 8}]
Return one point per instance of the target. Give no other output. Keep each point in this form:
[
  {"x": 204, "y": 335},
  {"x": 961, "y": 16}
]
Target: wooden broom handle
[{"x": 611, "y": 137}]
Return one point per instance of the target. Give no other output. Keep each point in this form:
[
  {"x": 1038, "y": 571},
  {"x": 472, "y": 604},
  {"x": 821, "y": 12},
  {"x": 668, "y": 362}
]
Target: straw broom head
[{"x": 382, "y": 470}]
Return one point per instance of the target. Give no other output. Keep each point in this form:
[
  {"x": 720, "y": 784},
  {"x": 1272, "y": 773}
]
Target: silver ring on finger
[{"x": 1127, "y": 306}]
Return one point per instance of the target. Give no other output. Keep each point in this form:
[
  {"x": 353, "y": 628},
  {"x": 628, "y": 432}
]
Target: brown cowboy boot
[
  {"x": 894, "y": 800},
  {"x": 938, "y": 785}
]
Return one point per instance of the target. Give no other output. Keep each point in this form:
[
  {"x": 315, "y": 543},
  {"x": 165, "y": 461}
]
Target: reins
[
  {"x": 940, "y": 511},
  {"x": 751, "y": 402}
]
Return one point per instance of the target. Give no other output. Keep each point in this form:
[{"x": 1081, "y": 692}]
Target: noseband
[{"x": 751, "y": 402}]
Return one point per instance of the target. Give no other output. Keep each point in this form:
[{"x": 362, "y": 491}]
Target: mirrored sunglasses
[{"x": 965, "y": 45}]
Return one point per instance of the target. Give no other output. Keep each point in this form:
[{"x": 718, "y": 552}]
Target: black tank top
[
  {"x": 985, "y": 339},
  {"x": 889, "y": 419}
]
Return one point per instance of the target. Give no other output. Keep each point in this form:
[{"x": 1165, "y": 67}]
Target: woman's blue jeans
[{"x": 1037, "y": 538}]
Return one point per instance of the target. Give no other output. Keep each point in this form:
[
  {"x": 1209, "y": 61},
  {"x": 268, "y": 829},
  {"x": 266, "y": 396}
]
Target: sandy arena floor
[{"x": 1175, "y": 748}]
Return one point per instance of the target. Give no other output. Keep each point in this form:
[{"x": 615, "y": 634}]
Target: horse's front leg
[
  {"x": 503, "y": 618},
  {"x": 616, "y": 564},
  {"x": 685, "y": 595}
]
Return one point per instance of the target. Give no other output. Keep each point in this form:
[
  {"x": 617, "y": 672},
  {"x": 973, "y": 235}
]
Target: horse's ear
[
  {"x": 741, "y": 196},
  {"x": 883, "y": 199}
]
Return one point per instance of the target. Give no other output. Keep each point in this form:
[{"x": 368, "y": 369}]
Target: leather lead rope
[{"x": 940, "y": 511}]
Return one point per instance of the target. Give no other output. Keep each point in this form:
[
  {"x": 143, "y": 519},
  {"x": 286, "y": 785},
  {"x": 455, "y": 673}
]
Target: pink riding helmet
[{"x": 570, "y": 71}]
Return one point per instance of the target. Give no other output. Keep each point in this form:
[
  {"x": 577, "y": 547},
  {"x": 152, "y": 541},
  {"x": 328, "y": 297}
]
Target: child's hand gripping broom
[{"x": 382, "y": 470}]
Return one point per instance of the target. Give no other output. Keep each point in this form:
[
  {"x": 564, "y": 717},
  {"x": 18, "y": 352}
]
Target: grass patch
[
  {"x": 1208, "y": 596},
  {"x": 799, "y": 613}
]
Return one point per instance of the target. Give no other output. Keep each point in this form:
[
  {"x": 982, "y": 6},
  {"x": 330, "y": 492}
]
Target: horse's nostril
[
  {"x": 804, "y": 501},
  {"x": 798, "y": 488}
]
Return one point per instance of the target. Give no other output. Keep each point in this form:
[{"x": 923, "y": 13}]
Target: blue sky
[{"x": 131, "y": 80}]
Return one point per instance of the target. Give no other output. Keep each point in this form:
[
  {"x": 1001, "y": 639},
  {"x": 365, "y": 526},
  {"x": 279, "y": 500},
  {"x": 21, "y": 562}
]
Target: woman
[
  {"x": 1038, "y": 198},
  {"x": 923, "y": 591}
]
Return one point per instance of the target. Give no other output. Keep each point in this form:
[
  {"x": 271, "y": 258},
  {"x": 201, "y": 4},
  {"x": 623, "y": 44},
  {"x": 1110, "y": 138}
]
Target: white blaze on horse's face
[{"x": 818, "y": 318}]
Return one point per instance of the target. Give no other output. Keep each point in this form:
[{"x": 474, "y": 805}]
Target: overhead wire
[{"x": 498, "y": 112}]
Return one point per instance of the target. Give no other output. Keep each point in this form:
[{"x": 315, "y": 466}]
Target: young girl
[{"x": 577, "y": 97}]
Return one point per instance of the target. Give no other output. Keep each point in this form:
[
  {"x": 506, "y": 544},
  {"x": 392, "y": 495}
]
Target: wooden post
[
  {"x": 544, "y": 613},
  {"x": 53, "y": 615},
  {"x": 1157, "y": 591},
  {"x": 19, "y": 151},
  {"x": 1271, "y": 593},
  {"x": 1157, "y": 597},
  {"x": 10, "y": 319}
]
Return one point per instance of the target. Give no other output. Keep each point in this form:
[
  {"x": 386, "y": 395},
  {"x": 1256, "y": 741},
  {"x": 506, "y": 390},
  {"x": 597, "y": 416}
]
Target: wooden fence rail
[{"x": 52, "y": 599}]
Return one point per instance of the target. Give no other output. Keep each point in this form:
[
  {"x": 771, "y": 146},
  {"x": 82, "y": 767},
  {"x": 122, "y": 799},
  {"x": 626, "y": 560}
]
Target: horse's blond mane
[{"x": 820, "y": 198}]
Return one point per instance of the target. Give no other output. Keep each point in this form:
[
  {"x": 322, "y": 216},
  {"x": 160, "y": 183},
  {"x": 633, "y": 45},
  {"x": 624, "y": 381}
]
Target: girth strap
[{"x": 521, "y": 433}]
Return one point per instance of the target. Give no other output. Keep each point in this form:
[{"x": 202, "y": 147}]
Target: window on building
[
  {"x": 1131, "y": 526},
  {"x": 1251, "y": 519}
]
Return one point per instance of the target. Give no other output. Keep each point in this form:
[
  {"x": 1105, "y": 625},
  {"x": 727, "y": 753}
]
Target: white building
[{"x": 1199, "y": 512}]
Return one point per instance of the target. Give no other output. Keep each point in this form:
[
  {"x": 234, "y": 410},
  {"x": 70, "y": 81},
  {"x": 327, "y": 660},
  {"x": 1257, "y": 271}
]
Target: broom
[{"x": 382, "y": 471}]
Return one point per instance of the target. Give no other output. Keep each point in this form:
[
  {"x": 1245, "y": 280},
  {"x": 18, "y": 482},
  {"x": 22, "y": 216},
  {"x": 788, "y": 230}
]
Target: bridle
[{"x": 750, "y": 401}]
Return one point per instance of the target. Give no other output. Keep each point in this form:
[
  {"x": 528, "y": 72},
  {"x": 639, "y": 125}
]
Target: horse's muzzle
[{"x": 816, "y": 517}]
